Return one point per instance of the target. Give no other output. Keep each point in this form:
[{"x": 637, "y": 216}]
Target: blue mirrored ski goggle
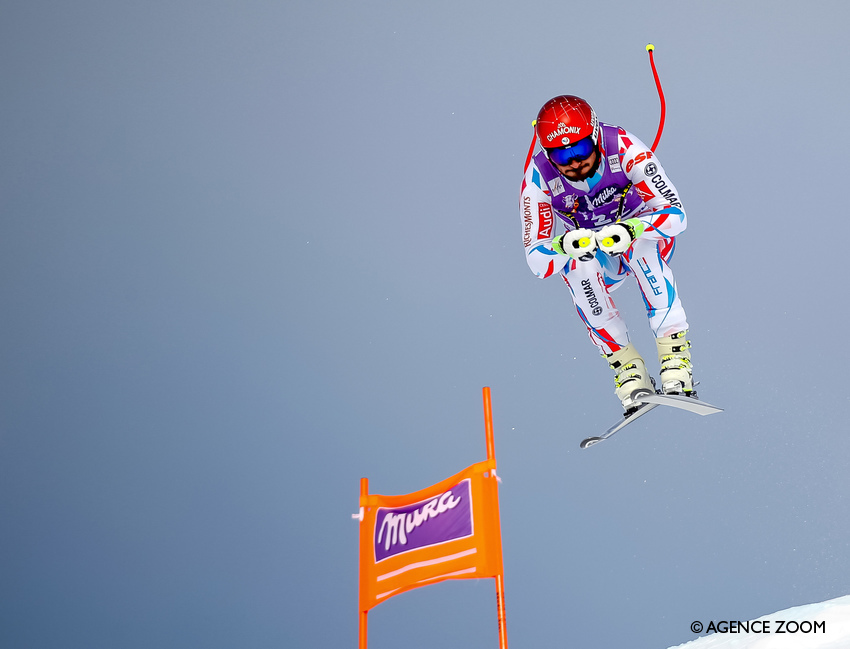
[{"x": 581, "y": 150}]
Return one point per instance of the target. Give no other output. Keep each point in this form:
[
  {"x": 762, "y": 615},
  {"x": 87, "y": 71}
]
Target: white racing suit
[{"x": 629, "y": 183}]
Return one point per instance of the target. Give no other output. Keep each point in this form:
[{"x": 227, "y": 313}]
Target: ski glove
[
  {"x": 616, "y": 238},
  {"x": 579, "y": 244}
]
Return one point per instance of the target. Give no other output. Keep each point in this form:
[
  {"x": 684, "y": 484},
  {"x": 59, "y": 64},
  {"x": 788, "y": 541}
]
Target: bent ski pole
[
  {"x": 649, "y": 48},
  {"x": 531, "y": 148}
]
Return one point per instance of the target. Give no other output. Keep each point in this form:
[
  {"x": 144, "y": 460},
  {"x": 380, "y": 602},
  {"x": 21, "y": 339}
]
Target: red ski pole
[
  {"x": 531, "y": 148},
  {"x": 650, "y": 48}
]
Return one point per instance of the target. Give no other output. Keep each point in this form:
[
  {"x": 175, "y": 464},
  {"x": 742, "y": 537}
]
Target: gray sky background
[{"x": 254, "y": 251}]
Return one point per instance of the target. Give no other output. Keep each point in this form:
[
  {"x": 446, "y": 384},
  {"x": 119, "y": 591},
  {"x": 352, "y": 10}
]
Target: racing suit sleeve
[
  {"x": 661, "y": 213},
  {"x": 538, "y": 226}
]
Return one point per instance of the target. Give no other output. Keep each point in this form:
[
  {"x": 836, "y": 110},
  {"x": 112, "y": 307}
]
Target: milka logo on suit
[{"x": 602, "y": 197}]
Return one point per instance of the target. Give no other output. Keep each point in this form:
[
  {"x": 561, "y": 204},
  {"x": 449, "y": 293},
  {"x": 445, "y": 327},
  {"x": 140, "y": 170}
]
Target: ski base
[
  {"x": 650, "y": 401},
  {"x": 691, "y": 404},
  {"x": 627, "y": 419}
]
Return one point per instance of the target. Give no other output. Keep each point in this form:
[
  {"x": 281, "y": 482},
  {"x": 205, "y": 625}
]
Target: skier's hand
[
  {"x": 579, "y": 244},
  {"x": 616, "y": 238}
]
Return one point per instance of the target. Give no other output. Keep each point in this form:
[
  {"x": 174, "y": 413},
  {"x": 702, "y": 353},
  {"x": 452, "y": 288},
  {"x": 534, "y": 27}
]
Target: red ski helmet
[{"x": 564, "y": 120}]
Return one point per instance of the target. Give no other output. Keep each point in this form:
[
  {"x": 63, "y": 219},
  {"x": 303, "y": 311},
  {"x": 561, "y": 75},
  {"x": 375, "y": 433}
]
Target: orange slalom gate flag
[{"x": 450, "y": 530}]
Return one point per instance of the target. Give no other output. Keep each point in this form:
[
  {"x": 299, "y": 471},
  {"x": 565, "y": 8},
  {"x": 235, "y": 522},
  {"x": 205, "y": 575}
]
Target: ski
[
  {"x": 648, "y": 402},
  {"x": 691, "y": 404},
  {"x": 627, "y": 419}
]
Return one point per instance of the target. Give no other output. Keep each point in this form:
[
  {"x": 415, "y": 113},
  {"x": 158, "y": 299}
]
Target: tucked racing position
[{"x": 618, "y": 215}]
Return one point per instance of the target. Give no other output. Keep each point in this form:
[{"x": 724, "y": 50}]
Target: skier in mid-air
[{"x": 620, "y": 215}]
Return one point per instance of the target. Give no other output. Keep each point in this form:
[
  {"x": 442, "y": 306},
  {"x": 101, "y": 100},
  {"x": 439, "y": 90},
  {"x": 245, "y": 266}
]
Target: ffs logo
[{"x": 640, "y": 157}]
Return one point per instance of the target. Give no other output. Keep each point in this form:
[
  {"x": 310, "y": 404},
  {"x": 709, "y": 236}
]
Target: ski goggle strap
[{"x": 581, "y": 150}]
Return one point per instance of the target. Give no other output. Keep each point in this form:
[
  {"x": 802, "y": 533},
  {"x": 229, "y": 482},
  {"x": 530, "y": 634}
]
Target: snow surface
[{"x": 833, "y": 634}]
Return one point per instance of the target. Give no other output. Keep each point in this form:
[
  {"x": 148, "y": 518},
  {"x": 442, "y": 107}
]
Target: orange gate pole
[
  {"x": 500, "y": 587},
  {"x": 364, "y": 621}
]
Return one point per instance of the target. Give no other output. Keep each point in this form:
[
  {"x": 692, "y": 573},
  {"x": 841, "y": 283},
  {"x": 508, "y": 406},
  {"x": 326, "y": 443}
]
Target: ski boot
[
  {"x": 631, "y": 378},
  {"x": 674, "y": 355}
]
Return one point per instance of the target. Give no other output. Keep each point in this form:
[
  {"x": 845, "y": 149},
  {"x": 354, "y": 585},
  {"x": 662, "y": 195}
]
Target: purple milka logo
[{"x": 430, "y": 522}]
